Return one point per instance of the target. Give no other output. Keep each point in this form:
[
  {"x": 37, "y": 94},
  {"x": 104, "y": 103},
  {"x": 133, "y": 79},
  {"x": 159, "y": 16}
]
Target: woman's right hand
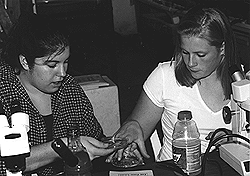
[
  {"x": 132, "y": 131},
  {"x": 95, "y": 148}
]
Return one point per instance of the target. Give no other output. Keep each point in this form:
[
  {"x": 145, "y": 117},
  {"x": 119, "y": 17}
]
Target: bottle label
[{"x": 187, "y": 155}]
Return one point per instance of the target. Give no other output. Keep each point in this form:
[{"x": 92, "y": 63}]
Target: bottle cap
[{"x": 185, "y": 115}]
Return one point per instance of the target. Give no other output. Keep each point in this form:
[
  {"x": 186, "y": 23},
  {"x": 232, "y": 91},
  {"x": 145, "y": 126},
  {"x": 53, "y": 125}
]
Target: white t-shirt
[{"x": 164, "y": 91}]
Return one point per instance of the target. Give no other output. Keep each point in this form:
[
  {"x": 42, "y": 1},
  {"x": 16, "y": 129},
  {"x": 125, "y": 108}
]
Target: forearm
[
  {"x": 147, "y": 114},
  {"x": 41, "y": 155}
]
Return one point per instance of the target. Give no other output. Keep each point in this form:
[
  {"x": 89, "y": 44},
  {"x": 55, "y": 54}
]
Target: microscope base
[{"x": 237, "y": 155}]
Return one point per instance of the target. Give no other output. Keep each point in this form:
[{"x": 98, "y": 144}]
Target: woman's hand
[
  {"x": 95, "y": 148},
  {"x": 131, "y": 130},
  {"x": 130, "y": 150}
]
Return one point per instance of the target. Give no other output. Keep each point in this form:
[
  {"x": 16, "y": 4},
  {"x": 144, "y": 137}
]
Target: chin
[
  {"x": 52, "y": 90},
  {"x": 196, "y": 76}
]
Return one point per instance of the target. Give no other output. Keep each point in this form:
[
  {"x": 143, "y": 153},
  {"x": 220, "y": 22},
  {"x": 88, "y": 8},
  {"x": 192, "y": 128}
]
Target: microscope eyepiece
[{"x": 236, "y": 73}]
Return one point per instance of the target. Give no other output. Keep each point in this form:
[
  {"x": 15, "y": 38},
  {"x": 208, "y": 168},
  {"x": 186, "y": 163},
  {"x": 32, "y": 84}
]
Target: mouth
[
  {"x": 57, "y": 83},
  {"x": 193, "y": 70}
]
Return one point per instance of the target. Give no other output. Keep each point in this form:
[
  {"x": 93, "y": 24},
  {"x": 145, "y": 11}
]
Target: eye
[
  {"x": 201, "y": 54},
  {"x": 184, "y": 52},
  {"x": 66, "y": 61},
  {"x": 51, "y": 65}
]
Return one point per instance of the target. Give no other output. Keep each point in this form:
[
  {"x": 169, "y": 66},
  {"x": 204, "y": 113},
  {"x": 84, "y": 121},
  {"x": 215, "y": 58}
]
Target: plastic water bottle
[
  {"x": 84, "y": 166},
  {"x": 186, "y": 145}
]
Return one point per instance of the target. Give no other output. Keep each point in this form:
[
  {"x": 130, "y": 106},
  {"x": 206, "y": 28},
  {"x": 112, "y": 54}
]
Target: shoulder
[
  {"x": 164, "y": 72},
  {"x": 6, "y": 72},
  {"x": 9, "y": 83},
  {"x": 69, "y": 80},
  {"x": 167, "y": 68},
  {"x": 163, "y": 78},
  {"x": 71, "y": 89},
  {"x": 168, "y": 65},
  {"x": 161, "y": 83}
]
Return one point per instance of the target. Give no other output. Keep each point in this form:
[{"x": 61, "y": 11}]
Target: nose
[
  {"x": 62, "y": 70},
  {"x": 192, "y": 61}
]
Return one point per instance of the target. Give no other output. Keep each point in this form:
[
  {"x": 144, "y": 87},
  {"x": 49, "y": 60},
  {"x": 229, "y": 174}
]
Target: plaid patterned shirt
[{"x": 69, "y": 106}]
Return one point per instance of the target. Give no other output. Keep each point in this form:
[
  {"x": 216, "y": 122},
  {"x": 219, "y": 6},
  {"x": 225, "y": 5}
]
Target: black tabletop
[{"x": 215, "y": 166}]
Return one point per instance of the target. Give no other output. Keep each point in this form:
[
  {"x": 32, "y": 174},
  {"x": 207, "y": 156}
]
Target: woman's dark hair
[
  {"x": 212, "y": 25},
  {"x": 34, "y": 36}
]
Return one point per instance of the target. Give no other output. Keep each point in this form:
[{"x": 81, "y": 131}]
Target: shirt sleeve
[
  {"x": 153, "y": 86},
  {"x": 161, "y": 84}
]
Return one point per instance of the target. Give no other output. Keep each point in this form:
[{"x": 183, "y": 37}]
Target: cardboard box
[{"x": 105, "y": 103}]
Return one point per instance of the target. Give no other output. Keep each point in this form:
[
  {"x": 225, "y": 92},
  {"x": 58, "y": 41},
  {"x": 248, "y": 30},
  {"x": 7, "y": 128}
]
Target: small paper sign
[{"x": 131, "y": 173}]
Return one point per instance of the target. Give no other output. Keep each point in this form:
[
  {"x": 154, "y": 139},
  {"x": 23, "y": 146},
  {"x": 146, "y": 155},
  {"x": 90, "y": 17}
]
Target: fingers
[
  {"x": 94, "y": 142},
  {"x": 119, "y": 154},
  {"x": 98, "y": 144},
  {"x": 95, "y": 148},
  {"x": 138, "y": 155},
  {"x": 136, "y": 152},
  {"x": 101, "y": 152},
  {"x": 109, "y": 158},
  {"x": 143, "y": 149},
  {"x": 95, "y": 152},
  {"x": 133, "y": 146},
  {"x": 131, "y": 149},
  {"x": 132, "y": 131}
]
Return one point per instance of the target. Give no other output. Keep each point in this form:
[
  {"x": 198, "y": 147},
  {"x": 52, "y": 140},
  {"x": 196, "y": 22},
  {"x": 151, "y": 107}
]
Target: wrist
[
  {"x": 138, "y": 126},
  {"x": 132, "y": 121}
]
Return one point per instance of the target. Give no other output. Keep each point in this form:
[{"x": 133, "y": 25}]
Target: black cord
[
  {"x": 226, "y": 131},
  {"x": 213, "y": 141}
]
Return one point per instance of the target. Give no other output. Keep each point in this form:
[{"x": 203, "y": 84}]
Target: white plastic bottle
[{"x": 186, "y": 144}]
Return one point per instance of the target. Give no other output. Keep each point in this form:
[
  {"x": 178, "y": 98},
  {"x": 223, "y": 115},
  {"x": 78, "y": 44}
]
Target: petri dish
[{"x": 126, "y": 162}]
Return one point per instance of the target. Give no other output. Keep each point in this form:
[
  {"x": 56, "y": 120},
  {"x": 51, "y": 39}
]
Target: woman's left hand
[
  {"x": 95, "y": 148},
  {"x": 131, "y": 149}
]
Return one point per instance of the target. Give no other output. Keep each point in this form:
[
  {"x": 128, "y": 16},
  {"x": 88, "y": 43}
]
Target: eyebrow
[
  {"x": 49, "y": 61},
  {"x": 54, "y": 61},
  {"x": 195, "y": 51}
]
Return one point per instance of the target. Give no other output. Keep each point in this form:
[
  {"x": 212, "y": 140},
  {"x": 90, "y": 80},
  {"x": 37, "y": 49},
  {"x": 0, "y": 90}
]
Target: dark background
[{"x": 126, "y": 60}]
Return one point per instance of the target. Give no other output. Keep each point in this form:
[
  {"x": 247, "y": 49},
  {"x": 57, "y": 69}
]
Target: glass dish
[
  {"x": 126, "y": 162},
  {"x": 128, "y": 159}
]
